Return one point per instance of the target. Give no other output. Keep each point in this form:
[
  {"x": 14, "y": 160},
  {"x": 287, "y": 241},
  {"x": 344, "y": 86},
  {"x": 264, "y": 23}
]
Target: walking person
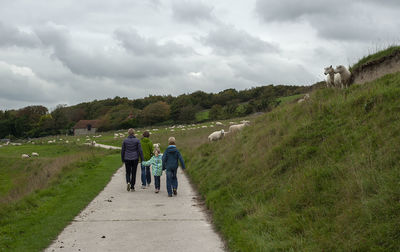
[
  {"x": 170, "y": 164},
  {"x": 130, "y": 152},
  {"x": 147, "y": 147},
  {"x": 156, "y": 167}
]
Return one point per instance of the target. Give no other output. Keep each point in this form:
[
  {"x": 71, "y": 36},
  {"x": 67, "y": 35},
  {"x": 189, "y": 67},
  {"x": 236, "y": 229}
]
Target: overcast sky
[{"x": 70, "y": 51}]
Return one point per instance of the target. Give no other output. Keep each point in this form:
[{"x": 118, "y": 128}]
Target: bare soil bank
[{"x": 375, "y": 69}]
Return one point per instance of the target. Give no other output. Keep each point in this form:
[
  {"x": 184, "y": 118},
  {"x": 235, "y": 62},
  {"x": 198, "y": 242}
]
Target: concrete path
[{"x": 118, "y": 220}]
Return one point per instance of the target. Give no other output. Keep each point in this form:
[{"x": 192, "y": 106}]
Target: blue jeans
[
  {"x": 172, "y": 181},
  {"x": 146, "y": 175},
  {"x": 157, "y": 182}
]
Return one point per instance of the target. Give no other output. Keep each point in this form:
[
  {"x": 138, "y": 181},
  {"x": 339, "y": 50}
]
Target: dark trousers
[
  {"x": 131, "y": 168},
  {"x": 157, "y": 182},
  {"x": 146, "y": 175},
  {"x": 172, "y": 181}
]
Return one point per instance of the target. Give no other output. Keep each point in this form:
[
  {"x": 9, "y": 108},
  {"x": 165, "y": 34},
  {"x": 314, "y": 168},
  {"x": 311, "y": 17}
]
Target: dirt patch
[{"x": 375, "y": 69}]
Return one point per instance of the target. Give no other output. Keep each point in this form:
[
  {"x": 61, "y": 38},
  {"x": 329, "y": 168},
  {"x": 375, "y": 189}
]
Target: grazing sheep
[
  {"x": 237, "y": 127},
  {"x": 231, "y": 123},
  {"x": 25, "y": 156},
  {"x": 244, "y": 121},
  {"x": 35, "y": 154},
  {"x": 306, "y": 97},
  {"x": 216, "y": 135},
  {"x": 345, "y": 75},
  {"x": 333, "y": 79},
  {"x": 93, "y": 143},
  {"x": 219, "y": 124}
]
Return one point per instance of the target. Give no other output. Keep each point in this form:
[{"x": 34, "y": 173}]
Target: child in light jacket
[{"x": 156, "y": 167}]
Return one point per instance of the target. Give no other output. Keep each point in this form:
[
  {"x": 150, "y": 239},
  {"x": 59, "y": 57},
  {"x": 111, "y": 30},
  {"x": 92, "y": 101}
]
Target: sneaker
[
  {"x": 132, "y": 189},
  {"x": 157, "y": 191},
  {"x": 143, "y": 187},
  {"x": 128, "y": 187},
  {"x": 169, "y": 195},
  {"x": 175, "y": 192}
]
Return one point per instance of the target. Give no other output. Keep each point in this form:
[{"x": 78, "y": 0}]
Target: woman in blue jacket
[{"x": 130, "y": 152}]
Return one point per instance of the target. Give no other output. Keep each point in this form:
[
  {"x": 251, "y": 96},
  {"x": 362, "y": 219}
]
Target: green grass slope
[{"x": 318, "y": 176}]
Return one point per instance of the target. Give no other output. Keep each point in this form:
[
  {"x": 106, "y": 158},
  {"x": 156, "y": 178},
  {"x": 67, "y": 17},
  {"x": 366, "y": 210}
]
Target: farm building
[{"x": 86, "y": 127}]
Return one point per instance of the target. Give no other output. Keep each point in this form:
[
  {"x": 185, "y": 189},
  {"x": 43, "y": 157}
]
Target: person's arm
[
  {"x": 123, "y": 152},
  {"x": 140, "y": 151},
  {"x": 164, "y": 160},
  {"x": 148, "y": 163},
  {"x": 181, "y": 160}
]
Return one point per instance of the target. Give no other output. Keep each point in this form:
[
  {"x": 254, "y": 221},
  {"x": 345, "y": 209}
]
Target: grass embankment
[
  {"x": 376, "y": 56},
  {"x": 40, "y": 196},
  {"x": 323, "y": 175}
]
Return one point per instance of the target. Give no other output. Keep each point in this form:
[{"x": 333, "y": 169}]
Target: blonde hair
[
  {"x": 131, "y": 132},
  {"x": 171, "y": 141}
]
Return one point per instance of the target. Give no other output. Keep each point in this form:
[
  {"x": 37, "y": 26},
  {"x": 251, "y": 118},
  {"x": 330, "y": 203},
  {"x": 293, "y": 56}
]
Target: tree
[
  {"x": 215, "y": 112},
  {"x": 156, "y": 112}
]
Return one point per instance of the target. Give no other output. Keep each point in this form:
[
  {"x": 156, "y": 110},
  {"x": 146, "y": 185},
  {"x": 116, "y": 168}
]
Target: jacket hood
[
  {"x": 171, "y": 149},
  {"x": 145, "y": 139}
]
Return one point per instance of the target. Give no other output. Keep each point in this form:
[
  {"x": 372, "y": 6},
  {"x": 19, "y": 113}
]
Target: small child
[
  {"x": 170, "y": 163},
  {"x": 156, "y": 167}
]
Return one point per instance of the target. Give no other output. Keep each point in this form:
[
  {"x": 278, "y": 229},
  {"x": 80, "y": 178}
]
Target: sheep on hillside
[
  {"x": 345, "y": 75},
  {"x": 237, "y": 127},
  {"x": 333, "y": 79},
  {"x": 219, "y": 123},
  {"x": 216, "y": 135},
  {"x": 25, "y": 156},
  {"x": 35, "y": 154}
]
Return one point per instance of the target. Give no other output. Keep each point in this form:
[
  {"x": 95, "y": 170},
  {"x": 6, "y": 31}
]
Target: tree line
[{"x": 122, "y": 113}]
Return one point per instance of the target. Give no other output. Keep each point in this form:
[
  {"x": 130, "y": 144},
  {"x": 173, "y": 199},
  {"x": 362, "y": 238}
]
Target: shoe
[
  {"x": 132, "y": 189},
  {"x": 169, "y": 195},
  {"x": 128, "y": 187},
  {"x": 143, "y": 187},
  {"x": 157, "y": 191},
  {"x": 175, "y": 192}
]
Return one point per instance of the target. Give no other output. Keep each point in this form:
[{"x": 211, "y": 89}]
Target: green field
[
  {"x": 40, "y": 196},
  {"x": 323, "y": 175}
]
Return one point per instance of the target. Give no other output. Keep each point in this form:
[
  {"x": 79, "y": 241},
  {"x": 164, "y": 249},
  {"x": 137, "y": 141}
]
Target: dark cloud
[
  {"x": 138, "y": 45},
  {"x": 338, "y": 20},
  {"x": 227, "y": 40},
  {"x": 102, "y": 64},
  {"x": 192, "y": 12},
  {"x": 12, "y": 36}
]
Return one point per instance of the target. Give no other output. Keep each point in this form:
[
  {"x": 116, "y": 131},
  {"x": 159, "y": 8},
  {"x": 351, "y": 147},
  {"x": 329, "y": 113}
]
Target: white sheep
[
  {"x": 306, "y": 97},
  {"x": 219, "y": 123},
  {"x": 345, "y": 75},
  {"x": 216, "y": 135},
  {"x": 332, "y": 79},
  {"x": 237, "y": 127},
  {"x": 35, "y": 154},
  {"x": 25, "y": 156}
]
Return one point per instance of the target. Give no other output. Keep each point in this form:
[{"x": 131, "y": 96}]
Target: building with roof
[{"x": 86, "y": 127}]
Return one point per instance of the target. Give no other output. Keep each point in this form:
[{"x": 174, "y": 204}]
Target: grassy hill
[{"x": 318, "y": 176}]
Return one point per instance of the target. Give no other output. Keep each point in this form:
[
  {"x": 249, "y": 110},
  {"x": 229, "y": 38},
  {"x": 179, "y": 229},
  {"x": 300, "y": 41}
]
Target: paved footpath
[{"x": 118, "y": 220}]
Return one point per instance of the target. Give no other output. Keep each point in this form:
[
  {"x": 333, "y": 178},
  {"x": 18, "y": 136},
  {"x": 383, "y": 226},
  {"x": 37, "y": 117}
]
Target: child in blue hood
[{"x": 170, "y": 164}]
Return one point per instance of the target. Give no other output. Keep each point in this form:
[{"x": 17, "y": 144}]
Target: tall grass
[{"x": 317, "y": 176}]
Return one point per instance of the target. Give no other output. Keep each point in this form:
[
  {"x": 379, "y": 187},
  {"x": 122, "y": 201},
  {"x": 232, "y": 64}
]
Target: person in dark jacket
[
  {"x": 170, "y": 159},
  {"x": 130, "y": 153},
  {"x": 147, "y": 147}
]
